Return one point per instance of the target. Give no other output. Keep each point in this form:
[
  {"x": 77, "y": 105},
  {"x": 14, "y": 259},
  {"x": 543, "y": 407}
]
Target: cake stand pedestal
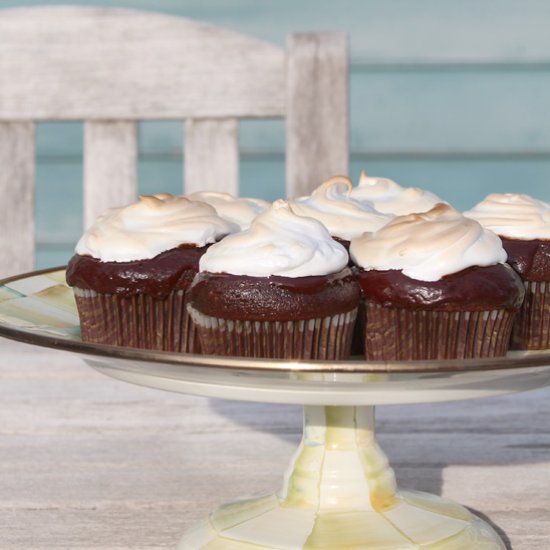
[{"x": 339, "y": 491}]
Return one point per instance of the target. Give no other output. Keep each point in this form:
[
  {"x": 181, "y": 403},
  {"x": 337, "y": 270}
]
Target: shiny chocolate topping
[
  {"x": 530, "y": 258},
  {"x": 158, "y": 276},
  {"x": 345, "y": 244},
  {"x": 274, "y": 298},
  {"x": 472, "y": 289}
]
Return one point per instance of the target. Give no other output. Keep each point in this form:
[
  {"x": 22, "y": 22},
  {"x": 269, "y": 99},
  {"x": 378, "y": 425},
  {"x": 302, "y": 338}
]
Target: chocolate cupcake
[
  {"x": 390, "y": 198},
  {"x": 133, "y": 266},
  {"x": 238, "y": 210},
  {"x": 344, "y": 217},
  {"x": 523, "y": 224},
  {"x": 281, "y": 289},
  {"x": 436, "y": 286}
]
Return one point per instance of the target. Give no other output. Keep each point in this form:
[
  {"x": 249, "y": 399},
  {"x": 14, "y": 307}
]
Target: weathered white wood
[
  {"x": 106, "y": 65},
  {"x": 317, "y": 110},
  {"x": 97, "y": 63},
  {"x": 91, "y": 463},
  {"x": 211, "y": 157},
  {"x": 17, "y": 197},
  {"x": 110, "y": 166}
]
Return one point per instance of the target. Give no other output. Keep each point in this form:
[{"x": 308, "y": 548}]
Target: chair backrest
[{"x": 112, "y": 67}]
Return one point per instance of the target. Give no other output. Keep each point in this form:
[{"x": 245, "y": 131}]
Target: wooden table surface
[{"x": 87, "y": 462}]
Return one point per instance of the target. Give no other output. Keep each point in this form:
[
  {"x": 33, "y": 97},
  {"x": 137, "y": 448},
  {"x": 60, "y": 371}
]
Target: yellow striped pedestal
[{"x": 340, "y": 493}]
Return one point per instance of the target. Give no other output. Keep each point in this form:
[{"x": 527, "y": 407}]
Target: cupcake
[
  {"x": 132, "y": 269},
  {"x": 281, "y": 289},
  {"x": 390, "y": 198},
  {"x": 344, "y": 217},
  {"x": 523, "y": 224},
  {"x": 436, "y": 286},
  {"x": 238, "y": 210}
]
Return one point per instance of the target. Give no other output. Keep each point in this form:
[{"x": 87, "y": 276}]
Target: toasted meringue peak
[
  {"x": 513, "y": 215},
  {"x": 346, "y": 218},
  {"x": 427, "y": 246},
  {"x": 153, "y": 224},
  {"x": 278, "y": 242}
]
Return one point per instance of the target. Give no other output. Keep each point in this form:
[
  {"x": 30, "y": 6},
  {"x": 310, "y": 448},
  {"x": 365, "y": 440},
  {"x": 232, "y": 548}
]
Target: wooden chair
[{"x": 114, "y": 67}]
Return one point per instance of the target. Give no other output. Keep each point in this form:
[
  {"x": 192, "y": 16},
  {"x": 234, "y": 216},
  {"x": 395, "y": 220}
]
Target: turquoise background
[{"x": 450, "y": 96}]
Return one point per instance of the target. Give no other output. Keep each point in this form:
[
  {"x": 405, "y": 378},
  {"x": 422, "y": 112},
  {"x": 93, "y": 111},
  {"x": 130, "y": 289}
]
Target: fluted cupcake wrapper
[
  {"x": 322, "y": 338},
  {"x": 408, "y": 335},
  {"x": 139, "y": 321},
  {"x": 531, "y": 328}
]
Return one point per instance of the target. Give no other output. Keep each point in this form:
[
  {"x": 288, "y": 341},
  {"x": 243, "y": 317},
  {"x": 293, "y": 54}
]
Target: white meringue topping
[
  {"x": 153, "y": 224},
  {"x": 343, "y": 216},
  {"x": 389, "y": 197},
  {"x": 278, "y": 242},
  {"x": 238, "y": 210},
  {"x": 513, "y": 215},
  {"x": 428, "y": 246}
]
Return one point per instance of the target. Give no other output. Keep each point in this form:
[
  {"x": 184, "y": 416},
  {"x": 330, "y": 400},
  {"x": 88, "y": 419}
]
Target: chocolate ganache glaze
[
  {"x": 344, "y": 243},
  {"x": 473, "y": 289},
  {"x": 530, "y": 258},
  {"x": 157, "y": 277},
  {"x": 273, "y": 298}
]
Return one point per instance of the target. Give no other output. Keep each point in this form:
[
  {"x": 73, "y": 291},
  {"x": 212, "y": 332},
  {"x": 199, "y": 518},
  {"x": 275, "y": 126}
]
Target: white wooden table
[{"x": 91, "y": 463}]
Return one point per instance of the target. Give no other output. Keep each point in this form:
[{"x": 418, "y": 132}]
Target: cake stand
[{"x": 339, "y": 490}]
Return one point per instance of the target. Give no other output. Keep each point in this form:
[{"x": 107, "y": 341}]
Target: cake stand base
[{"x": 340, "y": 492}]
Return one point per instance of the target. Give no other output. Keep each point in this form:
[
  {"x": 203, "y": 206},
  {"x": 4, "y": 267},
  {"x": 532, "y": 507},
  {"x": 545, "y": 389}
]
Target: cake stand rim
[{"x": 512, "y": 361}]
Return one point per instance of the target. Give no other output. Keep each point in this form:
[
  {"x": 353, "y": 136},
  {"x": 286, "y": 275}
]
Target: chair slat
[
  {"x": 17, "y": 152},
  {"x": 110, "y": 166},
  {"x": 92, "y": 63},
  {"x": 317, "y": 110},
  {"x": 211, "y": 158}
]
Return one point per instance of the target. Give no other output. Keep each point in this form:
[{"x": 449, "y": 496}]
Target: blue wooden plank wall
[{"x": 451, "y": 96}]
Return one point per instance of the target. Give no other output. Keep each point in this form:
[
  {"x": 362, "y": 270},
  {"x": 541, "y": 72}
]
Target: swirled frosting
[
  {"x": 343, "y": 216},
  {"x": 389, "y": 197},
  {"x": 151, "y": 225},
  {"x": 513, "y": 215},
  {"x": 278, "y": 242},
  {"x": 428, "y": 246},
  {"x": 238, "y": 210}
]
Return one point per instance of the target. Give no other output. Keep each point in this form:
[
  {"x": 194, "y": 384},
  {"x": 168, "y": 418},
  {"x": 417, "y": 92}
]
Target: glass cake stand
[{"x": 339, "y": 490}]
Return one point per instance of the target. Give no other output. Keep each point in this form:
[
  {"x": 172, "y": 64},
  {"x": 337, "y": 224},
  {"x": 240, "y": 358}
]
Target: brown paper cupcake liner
[
  {"x": 323, "y": 338},
  {"x": 138, "y": 321},
  {"x": 531, "y": 328},
  {"x": 408, "y": 335}
]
